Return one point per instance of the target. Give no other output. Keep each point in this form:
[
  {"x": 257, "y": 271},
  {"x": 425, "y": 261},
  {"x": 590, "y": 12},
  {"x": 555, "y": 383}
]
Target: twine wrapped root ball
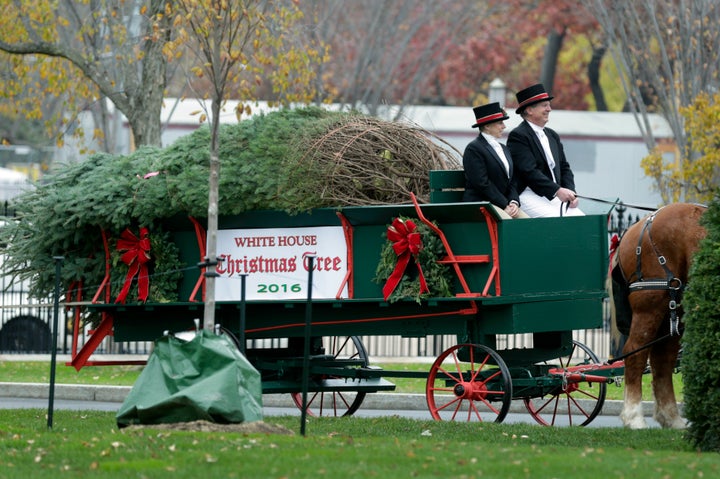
[{"x": 367, "y": 161}]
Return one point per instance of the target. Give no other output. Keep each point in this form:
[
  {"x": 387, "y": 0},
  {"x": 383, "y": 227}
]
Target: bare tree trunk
[
  {"x": 594, "y": 78},
  {"x": 212, "y": 227},
  {"x": 550, "y": 59}
]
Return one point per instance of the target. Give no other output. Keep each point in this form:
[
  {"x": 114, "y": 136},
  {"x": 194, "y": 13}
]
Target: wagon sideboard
[{"x": 517, "y": 276}]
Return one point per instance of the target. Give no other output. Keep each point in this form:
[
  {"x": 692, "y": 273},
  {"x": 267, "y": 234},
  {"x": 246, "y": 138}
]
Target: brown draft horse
[{"x": 651, "y": 266}]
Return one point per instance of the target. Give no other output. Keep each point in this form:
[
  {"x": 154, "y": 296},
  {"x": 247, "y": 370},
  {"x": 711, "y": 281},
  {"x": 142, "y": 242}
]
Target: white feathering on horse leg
[
  {"x": 632, "y": 415},
  {"x": 668, "y": 416}
]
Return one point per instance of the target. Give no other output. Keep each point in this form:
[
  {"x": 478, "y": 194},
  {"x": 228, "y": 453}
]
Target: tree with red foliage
[
  {"x": 447, "y": 52},
  {"x": 557, "y": 21}
]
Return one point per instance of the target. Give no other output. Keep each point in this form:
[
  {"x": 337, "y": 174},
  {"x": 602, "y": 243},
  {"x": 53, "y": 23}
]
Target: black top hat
[
  {"x": 489, "y": 113},
  {"x": 530, "y": 96}
]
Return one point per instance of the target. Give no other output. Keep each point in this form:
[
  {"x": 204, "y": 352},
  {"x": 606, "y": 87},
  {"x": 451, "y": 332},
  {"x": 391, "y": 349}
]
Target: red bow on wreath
[
  {"x": 136, "y": 257},
  {"x": 406, "y": 244},
  {"x": 614, "y": 243}
]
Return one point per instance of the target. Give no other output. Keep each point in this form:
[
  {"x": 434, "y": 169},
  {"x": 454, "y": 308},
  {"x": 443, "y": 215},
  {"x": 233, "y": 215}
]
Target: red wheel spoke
[
  {"x": 450, "y": 375},
  {"x": 587, "y": 393},
  {"x": 578, "y": 406},
  {"x": 469, "y": 381},
  {"x": 489, "y": 405},
  {"x": 557, "y": 387},
  {"x": 455, "y": 401},
  {"x": 479, "y": 369},
  {"x": 492, "y": 376},
  {"x": 547, "y": 403}
]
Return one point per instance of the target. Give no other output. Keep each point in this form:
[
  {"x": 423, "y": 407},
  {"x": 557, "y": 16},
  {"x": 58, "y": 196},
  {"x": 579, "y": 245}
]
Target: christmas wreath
[
  {"x": 408, "y": 266},
  {"x": 152, "y": 255}
]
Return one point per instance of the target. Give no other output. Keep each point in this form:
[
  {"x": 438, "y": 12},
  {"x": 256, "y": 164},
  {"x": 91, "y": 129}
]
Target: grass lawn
[
  {"x": 39, "y": 372},
  {"x": 88, "y": 444}
]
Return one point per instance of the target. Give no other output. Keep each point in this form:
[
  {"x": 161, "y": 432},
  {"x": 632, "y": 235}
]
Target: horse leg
[
  {"x": 632, "y": 413},
  {"x": 642, "y": 331},
  {"x": 662, "y": 363}
]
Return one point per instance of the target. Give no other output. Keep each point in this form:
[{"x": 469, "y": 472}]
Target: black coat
[
  {"x": 531, "y": 166},
  {"x": 485, "y": 176}
]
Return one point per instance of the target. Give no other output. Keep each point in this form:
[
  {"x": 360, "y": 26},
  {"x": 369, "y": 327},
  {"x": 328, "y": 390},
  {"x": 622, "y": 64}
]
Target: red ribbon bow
[
  {"x": 614, "y": 243},
  {"x": 136, "y": 257},
  {"x": 406, "y": 244}
]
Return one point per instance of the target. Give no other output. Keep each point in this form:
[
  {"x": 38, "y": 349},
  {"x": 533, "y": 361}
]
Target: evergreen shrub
[{"x": 701, "y": 339}]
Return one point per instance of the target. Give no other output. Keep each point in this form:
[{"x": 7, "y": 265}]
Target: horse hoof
[
  {"x": 678, "y": 423},
  {"x": 635, "y": 423}
]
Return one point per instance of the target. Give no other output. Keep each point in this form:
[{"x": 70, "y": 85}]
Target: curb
[
  {"x": 373, "y": 401},
  {"x": 75, "y": 392}
]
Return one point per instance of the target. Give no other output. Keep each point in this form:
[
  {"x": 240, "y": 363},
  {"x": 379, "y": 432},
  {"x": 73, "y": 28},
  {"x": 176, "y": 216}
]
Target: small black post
[
  {"x": 53, "y": 356},
  {"x": 241, "y": 332},
  {"x": 306, "y": 352}
]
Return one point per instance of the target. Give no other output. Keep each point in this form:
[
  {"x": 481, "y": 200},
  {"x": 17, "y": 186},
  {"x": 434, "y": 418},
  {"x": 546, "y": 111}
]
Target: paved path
[{"x": 109, "y": 398}]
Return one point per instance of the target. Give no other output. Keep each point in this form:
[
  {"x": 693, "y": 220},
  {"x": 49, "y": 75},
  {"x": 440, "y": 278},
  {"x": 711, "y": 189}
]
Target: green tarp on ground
[{"x": 204, "y": 378}]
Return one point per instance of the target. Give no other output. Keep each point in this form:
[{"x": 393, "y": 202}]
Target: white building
[{"x": 603, "y": 148}]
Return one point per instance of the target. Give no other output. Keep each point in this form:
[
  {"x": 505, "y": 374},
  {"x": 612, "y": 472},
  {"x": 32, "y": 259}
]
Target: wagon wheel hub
[
  {"x": 571, "y": 387},
  {"x": 471, "y": 390}
]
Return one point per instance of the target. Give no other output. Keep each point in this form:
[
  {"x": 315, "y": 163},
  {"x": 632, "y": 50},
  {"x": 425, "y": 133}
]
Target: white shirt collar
[
  {"x": 491, "y": 139},
  {"x": 537, "y": 129}
]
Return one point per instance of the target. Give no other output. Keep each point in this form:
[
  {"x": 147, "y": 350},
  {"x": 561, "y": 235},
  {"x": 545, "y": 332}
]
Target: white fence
[
  {"x": 390, "y": 347},
  {"x": 27, "y": 328}
]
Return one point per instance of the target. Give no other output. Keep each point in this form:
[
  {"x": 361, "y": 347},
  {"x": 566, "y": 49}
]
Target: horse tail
[
  {"x": 617, "y": 339},
  {"x": 618, "y": 292}
]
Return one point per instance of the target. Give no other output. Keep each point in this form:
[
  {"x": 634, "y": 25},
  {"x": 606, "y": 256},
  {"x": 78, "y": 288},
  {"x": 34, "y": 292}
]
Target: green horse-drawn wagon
[{"x": 543, "y": 276}]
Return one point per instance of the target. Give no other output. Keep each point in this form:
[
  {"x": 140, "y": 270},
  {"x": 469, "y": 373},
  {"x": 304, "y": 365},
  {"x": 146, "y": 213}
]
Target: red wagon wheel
[
  {"x": 336, "y": 403},
  {"x": 573, "y": 403},
  {"x": 469, "y": 382}
]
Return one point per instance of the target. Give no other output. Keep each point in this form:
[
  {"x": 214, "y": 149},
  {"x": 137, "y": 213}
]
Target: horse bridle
[{"x": 670, "y": 283}]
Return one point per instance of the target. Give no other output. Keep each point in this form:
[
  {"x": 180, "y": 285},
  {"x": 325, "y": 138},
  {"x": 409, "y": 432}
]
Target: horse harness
[{"x": 670, "y": 283}]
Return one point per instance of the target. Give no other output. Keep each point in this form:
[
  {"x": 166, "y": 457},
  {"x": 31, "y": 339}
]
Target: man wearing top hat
[
  {"x": 488, "y": 165},
  {"x": 544, "y": 179}
]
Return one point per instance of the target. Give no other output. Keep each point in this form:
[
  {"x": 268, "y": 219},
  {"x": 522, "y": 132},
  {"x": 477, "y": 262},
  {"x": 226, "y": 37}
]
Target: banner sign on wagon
[{"x": 275, "y": 261}]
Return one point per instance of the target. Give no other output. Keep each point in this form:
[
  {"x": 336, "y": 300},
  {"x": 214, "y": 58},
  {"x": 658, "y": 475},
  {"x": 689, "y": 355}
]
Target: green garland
[{"x": 438, "y": 276}]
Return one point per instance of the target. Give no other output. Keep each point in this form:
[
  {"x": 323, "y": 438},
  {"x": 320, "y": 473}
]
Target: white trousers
[{"x": 540, "y": 207}]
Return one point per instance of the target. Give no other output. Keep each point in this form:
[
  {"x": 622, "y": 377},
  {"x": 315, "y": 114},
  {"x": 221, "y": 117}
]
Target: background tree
[
  {"x": 116, "y": 45},
  {"x": 397, "y": 52},
  {"x": 24, "y": 120},
  {"x": 699, "y": 174},
  {"x": 554, "y": 49},
  {"x": 388, "y": 51},
  {"x": 233, "y": 43},
  {"x": 448, "y": 52},
  {"x": 667, "y": 53}
]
